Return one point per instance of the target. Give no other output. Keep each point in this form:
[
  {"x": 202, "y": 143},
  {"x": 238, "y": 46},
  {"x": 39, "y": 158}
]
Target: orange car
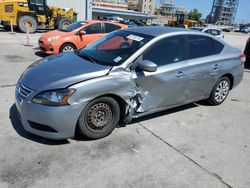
[{"x": 76, "y": 36}]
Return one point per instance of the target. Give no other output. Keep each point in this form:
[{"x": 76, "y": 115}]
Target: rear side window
[
  {"x": 200, "y": 46},
  {"x": 110, "y": 27},
  {"x": 93, "y": 29},
  {"x": 218, "y": 47},
  {"x": 166, "y": 51}
]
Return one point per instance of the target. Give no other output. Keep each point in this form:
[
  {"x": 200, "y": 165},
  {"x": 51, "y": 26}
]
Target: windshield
[
  {"x": 115, "y": 48},
  {"x": 74, "y": 26}
]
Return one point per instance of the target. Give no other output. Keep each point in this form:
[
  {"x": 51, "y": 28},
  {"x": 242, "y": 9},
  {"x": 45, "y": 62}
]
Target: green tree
[{"x": 194, "y": 15}]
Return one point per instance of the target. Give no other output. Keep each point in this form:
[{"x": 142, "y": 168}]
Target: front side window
[
  {"x": 200, "y": 46},
  {"x": 166, "y": 51},
  {"x": 93, "y": 29}
]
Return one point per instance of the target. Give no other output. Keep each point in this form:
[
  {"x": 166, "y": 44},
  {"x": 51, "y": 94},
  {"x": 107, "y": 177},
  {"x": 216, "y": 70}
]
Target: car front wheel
[
  {"x": 67, "y": 48},
  {"x": 99, "y": 118},
  {"x": 220, "y": 91}
]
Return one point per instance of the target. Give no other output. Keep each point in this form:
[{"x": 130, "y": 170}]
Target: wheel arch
[
  {"x": 122, "y": 106},
  {"x": 121, "y": 102},
  {"x": 231, "y": 78},
  {"x": 67, "y": 42}
]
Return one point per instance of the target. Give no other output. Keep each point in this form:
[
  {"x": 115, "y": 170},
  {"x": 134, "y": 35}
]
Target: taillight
[{"x": 243, "y": 58}]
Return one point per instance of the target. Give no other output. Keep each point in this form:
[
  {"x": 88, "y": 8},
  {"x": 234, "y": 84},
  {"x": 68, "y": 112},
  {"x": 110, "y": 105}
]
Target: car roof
[
  {"x": 103, "y": 21},
  {"x": 206, "y": 28},
  {"x": 155, "y": 31}
]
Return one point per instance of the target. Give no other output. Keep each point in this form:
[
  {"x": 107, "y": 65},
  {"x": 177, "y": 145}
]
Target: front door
[{"x": 165, "y": 87}]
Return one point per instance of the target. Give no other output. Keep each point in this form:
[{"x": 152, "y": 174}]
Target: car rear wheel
[
  {"x": 99, "y": 118},
  {"x": 67, "y": 48},
  {"x": 220, "y": 91},
  {"x": 63, "y": 23}
]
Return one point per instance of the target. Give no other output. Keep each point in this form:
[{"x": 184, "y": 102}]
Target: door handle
[
  {"x": 180, "y": 74},
  {"x": 216, "y": 66}
]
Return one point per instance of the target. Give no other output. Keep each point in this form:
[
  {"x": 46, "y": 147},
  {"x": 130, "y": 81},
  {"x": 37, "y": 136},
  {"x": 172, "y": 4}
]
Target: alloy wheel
[{"x": 222, "y": 91}]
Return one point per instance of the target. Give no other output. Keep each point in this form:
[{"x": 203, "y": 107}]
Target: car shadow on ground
[
  {"x": 18, "y": 127},
  {"x": 247, "y": 67},
  {"x": 40, "y": 53}
]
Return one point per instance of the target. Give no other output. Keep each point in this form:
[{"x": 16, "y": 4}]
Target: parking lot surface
[{"x": 195, "y": 146}]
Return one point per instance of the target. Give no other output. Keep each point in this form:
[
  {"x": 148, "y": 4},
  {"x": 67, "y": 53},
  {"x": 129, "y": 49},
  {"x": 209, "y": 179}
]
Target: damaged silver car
[{"x": 124, "y": 75}]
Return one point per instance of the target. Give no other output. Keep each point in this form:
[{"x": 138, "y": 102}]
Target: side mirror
[
  {"x": 82, "y": 32},
  {"x": 147, "y": 66}
]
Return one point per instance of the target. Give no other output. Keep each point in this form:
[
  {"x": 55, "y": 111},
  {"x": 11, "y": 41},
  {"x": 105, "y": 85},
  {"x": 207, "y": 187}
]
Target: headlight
[
  {"x": 54, "y": 98},
  {"x": 53, "y": 39}
]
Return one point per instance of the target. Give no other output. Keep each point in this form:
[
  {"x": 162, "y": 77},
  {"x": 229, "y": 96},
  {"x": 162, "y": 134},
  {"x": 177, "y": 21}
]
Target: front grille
[{"x": 22, "y": 92}]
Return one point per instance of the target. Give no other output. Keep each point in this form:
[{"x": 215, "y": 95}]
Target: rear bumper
[{"x": 238, "y": 75}]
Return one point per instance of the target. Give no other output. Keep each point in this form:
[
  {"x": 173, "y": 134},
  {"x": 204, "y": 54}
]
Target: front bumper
[
  {"x": 48, "y": 47},
  {"x": 50, "y": 122}
]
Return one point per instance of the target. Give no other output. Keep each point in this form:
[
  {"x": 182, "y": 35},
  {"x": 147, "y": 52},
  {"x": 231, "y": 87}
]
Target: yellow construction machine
[{"x": 33, "y": 15}]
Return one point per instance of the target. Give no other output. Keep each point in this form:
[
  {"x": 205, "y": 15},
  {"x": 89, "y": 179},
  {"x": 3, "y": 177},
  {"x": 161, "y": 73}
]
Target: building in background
[
  {"x": 116, "y": 4},
  {"x": 83, "y": 8},
  {"x": 223, "y": 12},
  {"x": 166, "y": 12},
  {"x": 166, "y": 8},
  {"x": 144, "y": 6},
  {"x": 102, "y": 9}
]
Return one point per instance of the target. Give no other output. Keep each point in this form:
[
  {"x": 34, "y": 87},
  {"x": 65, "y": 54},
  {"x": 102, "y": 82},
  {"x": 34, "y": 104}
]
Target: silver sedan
[{"x": 125, "y": 75}]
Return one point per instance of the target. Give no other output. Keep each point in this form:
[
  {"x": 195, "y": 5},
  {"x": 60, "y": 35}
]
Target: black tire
[
  {"x": 99, "y": 118},
  {"x": 62, "y": 23},
  {"x": 22, "y": 20},
  {"x": 216, "y": 97},
  {"x": 67, "y": 48}
]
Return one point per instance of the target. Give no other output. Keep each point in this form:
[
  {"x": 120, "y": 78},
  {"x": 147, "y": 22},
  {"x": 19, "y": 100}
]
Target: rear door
[
  {"x": 93, "y": 32},
  {"x": 203, "y": 66}
]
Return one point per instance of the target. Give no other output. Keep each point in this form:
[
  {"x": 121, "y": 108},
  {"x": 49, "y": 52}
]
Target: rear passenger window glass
[
  {"x": 218, "y": 47},
  {"x": 215, "y": 32},
  {"x": 200, "y": 46},
  {"x": 93, "y": 29},
  {"x": 167, "y": 51},
  {"x": 110, "y": 27}
]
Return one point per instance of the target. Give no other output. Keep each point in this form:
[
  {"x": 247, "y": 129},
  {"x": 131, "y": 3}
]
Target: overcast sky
[{"x": 205, "y": 6}]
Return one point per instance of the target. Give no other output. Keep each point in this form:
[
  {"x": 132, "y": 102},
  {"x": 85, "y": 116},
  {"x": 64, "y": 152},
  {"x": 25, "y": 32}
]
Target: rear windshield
[{"x": 73, "y": 26}]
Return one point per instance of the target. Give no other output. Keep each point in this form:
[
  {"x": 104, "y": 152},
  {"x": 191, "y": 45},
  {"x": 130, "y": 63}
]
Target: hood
[
  {"x": 60, "y": 71},
  {"x": 53, "y": 33}
]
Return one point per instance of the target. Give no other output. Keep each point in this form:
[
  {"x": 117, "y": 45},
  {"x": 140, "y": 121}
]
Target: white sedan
[{"x": 218, "y": 33}]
